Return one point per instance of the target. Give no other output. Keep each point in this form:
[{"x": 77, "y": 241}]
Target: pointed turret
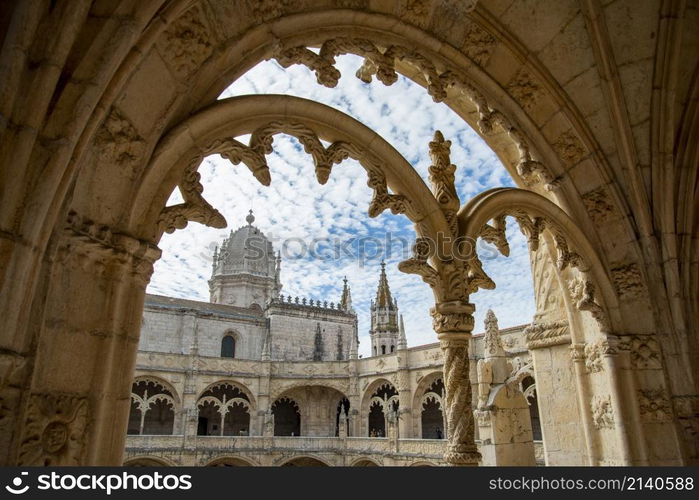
[
  {"x": 354, "y": 348},
  {"x": 384, "y": 318},
  {"x": 346, "y": 299},
  {"x": 383, "y": 293},
  {"x": 402, "y": 340}
]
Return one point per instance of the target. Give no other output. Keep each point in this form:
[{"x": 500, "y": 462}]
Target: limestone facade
[{"x": 210, "y": 375}]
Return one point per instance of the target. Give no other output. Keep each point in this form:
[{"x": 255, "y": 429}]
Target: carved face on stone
[{"x": 54, "y": 437}]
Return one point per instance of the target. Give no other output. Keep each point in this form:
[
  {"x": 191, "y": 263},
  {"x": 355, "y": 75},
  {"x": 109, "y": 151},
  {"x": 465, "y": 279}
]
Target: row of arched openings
[{"x": 224, "y": 410}]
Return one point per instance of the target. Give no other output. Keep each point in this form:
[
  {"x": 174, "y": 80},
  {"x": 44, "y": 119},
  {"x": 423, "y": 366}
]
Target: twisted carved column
[{"x": 453, "y": 322}]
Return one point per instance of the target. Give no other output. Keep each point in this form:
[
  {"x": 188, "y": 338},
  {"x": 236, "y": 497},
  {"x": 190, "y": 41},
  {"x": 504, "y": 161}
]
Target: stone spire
[
  {"x": 354, "y": 348},
  {"x": 493, "y": 345},
  {"x": 402, "y": 340},
  {"x": 346, "y": 299},
  {"x": 277, "y": 289},
  {"x": 383, "y": 293},
  {"x": 384, "y": 318}
]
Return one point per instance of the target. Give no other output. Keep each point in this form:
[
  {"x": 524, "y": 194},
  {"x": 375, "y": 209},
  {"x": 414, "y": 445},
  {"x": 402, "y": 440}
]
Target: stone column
[
  {"x": 77, "y": 407},
  {"x": 405, "y": 418},
  {"x": 453, "y": 323}
]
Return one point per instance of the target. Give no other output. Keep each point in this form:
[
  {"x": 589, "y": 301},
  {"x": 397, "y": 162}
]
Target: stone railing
[
  {"x": 202, "y": 449},
  {"x": 267, "y": 450}
]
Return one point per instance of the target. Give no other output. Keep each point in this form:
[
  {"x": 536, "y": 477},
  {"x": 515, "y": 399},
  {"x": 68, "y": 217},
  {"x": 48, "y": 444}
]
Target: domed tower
[
  {"x": 245, "y": 270},
  {"x": 385, "y": 331}
]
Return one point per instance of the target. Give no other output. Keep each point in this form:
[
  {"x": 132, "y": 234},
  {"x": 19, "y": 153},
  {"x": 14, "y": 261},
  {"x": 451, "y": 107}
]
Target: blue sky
[{"x": 296, "y": 211}]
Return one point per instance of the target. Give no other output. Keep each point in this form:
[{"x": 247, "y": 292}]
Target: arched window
[
  {"x": 393, "y": 348},
  {"x": 228, "y": 347},
  {"x": 383, "y": 349}
]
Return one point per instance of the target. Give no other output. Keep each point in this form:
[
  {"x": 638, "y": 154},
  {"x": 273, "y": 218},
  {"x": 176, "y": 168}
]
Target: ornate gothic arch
[{"x": 161, "y": 381}]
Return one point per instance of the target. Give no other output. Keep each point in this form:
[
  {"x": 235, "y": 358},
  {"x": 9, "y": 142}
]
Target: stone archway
[{"x": 154, "y": 407}]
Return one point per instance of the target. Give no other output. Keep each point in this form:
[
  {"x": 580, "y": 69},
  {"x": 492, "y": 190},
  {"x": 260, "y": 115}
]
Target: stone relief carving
[
  {"x": 55, "y": 430},
  {"x": 416, "y": 12},
  {"x": 118, "y": 140},
  {"x": 602, "y": 413},
  {"x": 598, "y": 205},
  {"x": 643, "y": 351},
  {"x": 525, "y": 89},
  {"x": 654, "y": 405},
  {"x": 569, "y": 148},
  {"x": 266, "y": 10},
  {"x": 594, "y": 353},
  {"x": 478, "y": 44},
  {"x": 628, "y": 281},
  {"x": 186, "y": 43},
  {"x": 582, "y": 292}
]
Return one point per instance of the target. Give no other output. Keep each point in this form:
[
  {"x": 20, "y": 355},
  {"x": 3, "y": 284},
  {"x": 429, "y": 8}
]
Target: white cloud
[{"x": 296, "y": 206}]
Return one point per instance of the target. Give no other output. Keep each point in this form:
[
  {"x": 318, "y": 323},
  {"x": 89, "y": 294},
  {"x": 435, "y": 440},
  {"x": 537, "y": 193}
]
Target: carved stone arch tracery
[
  {"x": 590, "y": 288},
  {"x": 213, "y": 130}
]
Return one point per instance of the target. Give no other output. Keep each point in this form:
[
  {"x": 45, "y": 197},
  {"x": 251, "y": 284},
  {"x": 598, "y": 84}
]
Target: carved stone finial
[
  {"x": 442, "y": 178},
  {"x": 493, "y": 344},
  {"x": 250, "y": 218}
]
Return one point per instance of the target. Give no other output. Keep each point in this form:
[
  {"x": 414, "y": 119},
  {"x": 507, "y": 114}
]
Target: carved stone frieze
[{"x": 54, "y": 431}]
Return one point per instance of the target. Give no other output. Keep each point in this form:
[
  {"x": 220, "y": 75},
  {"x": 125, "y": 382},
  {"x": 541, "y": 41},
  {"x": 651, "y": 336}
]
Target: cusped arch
[
  {"x": 367, "y": 394},
  {"x": 212, "y": 130},
  {"x": 593, "y": 291},
  {"x": 161, "y": 381},
  {"x": 233, "y": 383}
]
